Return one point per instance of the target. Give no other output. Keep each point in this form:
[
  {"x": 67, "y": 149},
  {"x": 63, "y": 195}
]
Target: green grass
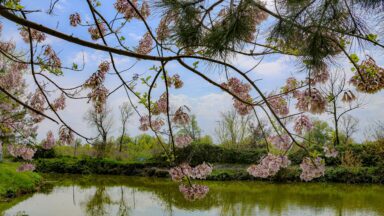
[{"x": 13, "y": 183}]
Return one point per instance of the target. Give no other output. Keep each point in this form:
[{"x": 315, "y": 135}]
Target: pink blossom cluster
[
  {"x": 145, "y": 44},
  {"x": 155, "y": 123},
  {"x": 177, "y": 82},
  {"x": 99, "y": 96},
  {"x": 330, "y": 152},
  {"x": 59, "y": 103},
  {"x": 94, "y": 31},
  {"x": 302, "y": 123},
  {"x": 74, "y": 19},
  {"x": 185, "y": 170},
  {"x": 257, "y": 17},
  {"x": 162, "y": 104},
  {"x": 282, "y": 142},
  {"x": 37, "y": 101},
  {"x": 311, "y": 100},
  {"x": 371, "y": 77},
  {"x": 241, "y": 90},
  {"x": 26, "y": 167},
  {"x": 312, "y": 168},
  {"x": 181, "y": 117},
  {"x": 49, "y": 141},
  {"x": 291, "y": 85},
  {"x": 35, "y": 35},
  {"x": 279, "y": 105},
  {"x": 98, "y": 78},
  {"x": 348, "y": 97},
  {"x": 145, "y": 10},
  {"x": 269, "y": 166},
  {"x": 124, "y": 7},
  {"x": 66, "y": 136},
  {"x": 53, "y": 60},
  {"x": 319, "y": 74},
  {"x": 182, "y": 141},
  {"x": 193, "y": 192},
  {"x": 22, "y": 151},
  {"x": 163, "y": 31}
]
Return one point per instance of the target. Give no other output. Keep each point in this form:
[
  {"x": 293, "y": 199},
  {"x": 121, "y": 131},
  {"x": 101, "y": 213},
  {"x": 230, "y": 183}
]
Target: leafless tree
[
  {"x": 126, "y": 111},
  {"x": 349, "y": 126},
  {"x": 334, "y": 90},
  {"x": 102, "y": 121}
]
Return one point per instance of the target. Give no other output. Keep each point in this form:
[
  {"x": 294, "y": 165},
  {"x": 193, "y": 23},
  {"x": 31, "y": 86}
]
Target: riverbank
[
  {"x": 221, "y": 172},
  {"x": 13, "y": 183}
]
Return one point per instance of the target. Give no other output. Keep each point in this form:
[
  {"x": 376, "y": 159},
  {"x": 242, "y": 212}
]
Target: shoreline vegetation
[{"x": 221, "y": 172}]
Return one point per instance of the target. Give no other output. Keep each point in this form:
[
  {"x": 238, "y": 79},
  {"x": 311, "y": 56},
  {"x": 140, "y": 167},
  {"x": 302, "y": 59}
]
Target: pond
[{"x": 116, "y": 195}]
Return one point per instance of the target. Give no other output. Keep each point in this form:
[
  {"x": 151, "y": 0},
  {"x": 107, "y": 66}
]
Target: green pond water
[{"x": 116, "y": 195}]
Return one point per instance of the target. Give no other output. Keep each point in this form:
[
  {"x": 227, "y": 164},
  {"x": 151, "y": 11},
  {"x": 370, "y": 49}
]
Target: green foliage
[{"x": 13, "y": 183}]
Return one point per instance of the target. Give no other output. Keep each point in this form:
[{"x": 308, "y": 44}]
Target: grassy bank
[
  {"x": 222, "y": 172},
  {"x": 13, "y": 183}
]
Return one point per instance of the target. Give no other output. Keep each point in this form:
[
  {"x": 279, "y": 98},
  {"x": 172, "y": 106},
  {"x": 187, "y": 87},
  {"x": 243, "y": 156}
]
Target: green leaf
[{"x": 354, "y": 58}]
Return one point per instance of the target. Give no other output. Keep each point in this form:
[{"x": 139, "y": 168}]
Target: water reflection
[{"x": 97, "y": 196}]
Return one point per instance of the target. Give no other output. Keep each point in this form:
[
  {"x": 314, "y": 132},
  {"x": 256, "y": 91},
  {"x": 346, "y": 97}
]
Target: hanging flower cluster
[
  {"x": 74, "y": 19},
  {"x": 348, "y": 97},
  {"x": 145, "y": 44},
  {"x": 279, "y": 105},
  {"x": 193, "y": 192},
  {"x": 163, "y": 31},
  {"x": 319, "y": 74},
  {"x": 161, "y": 104},
  {"x": 302, "y": 123},
  {"x": 94, "y": 31},
  {"x": 37, "y": 101},
  {"x": 66, "y": 136},
  {"x": 330, "y": 152},
  {"x": 59, "y": 103},
  {"x": 49, "y": 142},
  {"x": 282, "y": 142},
  {"x": 181, "y": 117},
  {"x": 177, "y": 82},
  {"x": 373, "y": 77},
  {"x": 54, "y": 62},
  {"x": 155, "y": 123},
  {"x": 23, "y": 151},
  {"x": 99, "y": 93},
  {"x": 241, "y": 90},
  {"x": 269, "y": 166},
  {"x": 35, "y": 35},
  {"x": 182, "y": 141},
  {"x": 184, "y": 170},
  {"x": 311, "y": 100},
  {"x": 291, "y": 85},
  {"x": 312, "y": 168},
  {"x": 124, "y": 7}
]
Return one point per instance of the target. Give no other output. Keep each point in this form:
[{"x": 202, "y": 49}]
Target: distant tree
[
  {"x": 233, "y": 129},
  {"x": 102, "y": 121},
  {"x": 126, "y": 111},
  {"x": 349, "y": 126},
  {"x": 320, "y": 134},
  {"x": 192, "y": 129}
]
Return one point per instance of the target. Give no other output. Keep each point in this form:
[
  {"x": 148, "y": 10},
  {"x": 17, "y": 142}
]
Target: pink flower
[
  {"x": 312, "y": 169},
  {"x": 269, "y": 166},
  {"x": 94, "y": 31},
  {"x": 123, "y": 7},
  {"x": 311, "y": 100},
  {"x": 177, "y": 82},
  {"x": 145, "y": 10},
  {"x": 193, "y": 192},
  {"x": 282, "y": 142},
  {"x": 373, "y": 77},
  {"x": 145, "y": 44},
  {"x": 22, "y": 151},
  {"x": 59, "y": 103},
  {"x": 183, "y": 141},
  {"x": 330, "y": 152},
  {"x": 348, "y": 97},
  {"x": 36, "y": 35},
  {"x": 181, "y": 117},
  {"x": 302, "y": 123},
  {"x": 54, "y": 62},
  {"x": 49, "y": 142},
  {"x": 201, "y": 171},
  {"x": 66, "y": 136},
  {"x": 155, "y": 123},
  {"x": 74, "y": 19},
  {"x": 241, "y": 90},
  {"x": 162, "y": 104},
  {"x": 279, "y": 105}
]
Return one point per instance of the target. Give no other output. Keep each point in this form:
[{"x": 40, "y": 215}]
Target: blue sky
[{"x": 204, "y": 100}]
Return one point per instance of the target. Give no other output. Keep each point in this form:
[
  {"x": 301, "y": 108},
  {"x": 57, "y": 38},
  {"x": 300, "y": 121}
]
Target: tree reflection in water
[{"x": 123, "y": 196}]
